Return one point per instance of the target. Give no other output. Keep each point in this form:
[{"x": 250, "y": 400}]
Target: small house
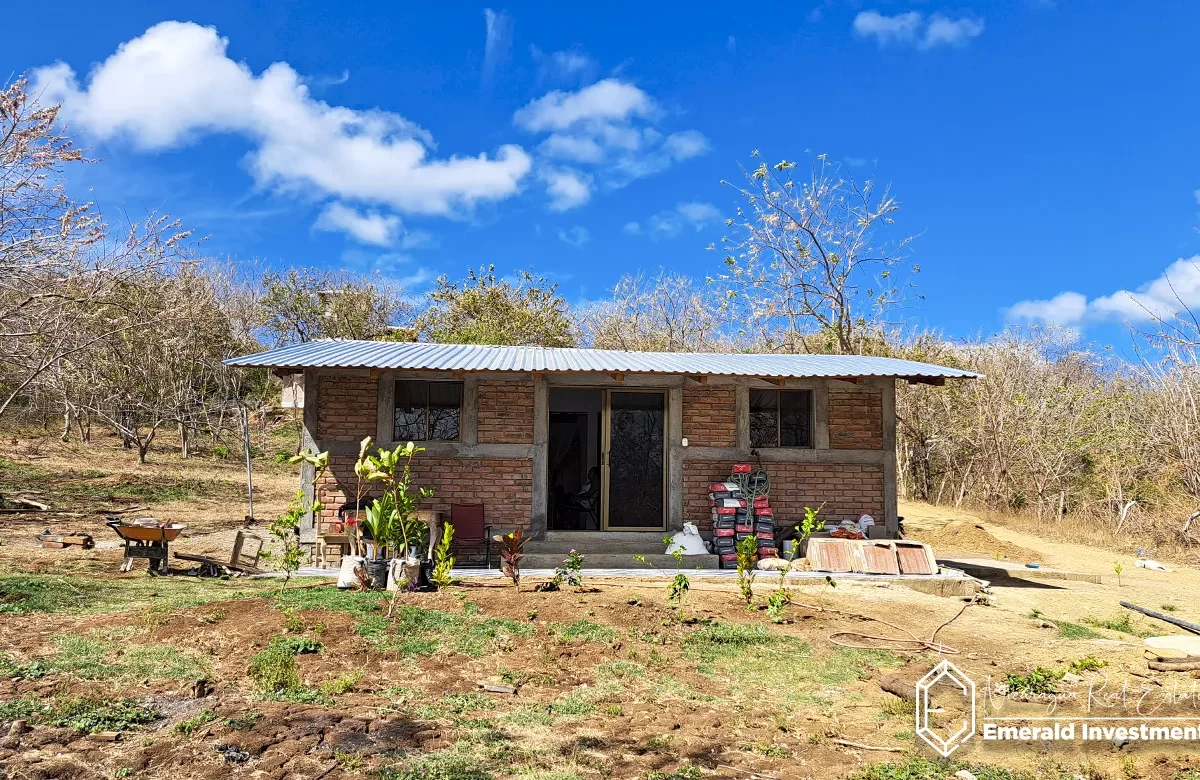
[{"x": 553, "y": 439}]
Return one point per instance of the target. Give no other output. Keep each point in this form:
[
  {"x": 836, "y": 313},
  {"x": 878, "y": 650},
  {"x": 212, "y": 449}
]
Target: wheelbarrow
[{"x": 145, "y": 538}]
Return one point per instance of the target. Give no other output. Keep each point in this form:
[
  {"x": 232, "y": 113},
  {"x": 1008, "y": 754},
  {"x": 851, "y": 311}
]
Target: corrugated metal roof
[{"x": 334, "y": 353}]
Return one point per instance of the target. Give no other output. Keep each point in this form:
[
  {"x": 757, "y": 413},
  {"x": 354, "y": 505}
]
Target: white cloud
[
  {"x": 497, "y": 43},
  {"x": 1063, "y": 309},
  {"x": 567, "y": 187},
  {"x": 575, "y": 236},
  {"x": 418, "y": 239},
  {"x": 1196, "y": 194},
  {"x": 901, "y": 28},
  {"x": 731, "y": 45},
  {"x": 670, "y": 223},
  {"x": 609, "y": 126},
  {"x": 943, "y": 31},
  {"x": 175, "y": 83},
  {"x": 1176, "y": 288},
  {"x": 563, "y": 66},
  {"x": 685, "y": 145},
  {"x": 580, "y": 148},
  {"x": 914, "y": 29},
  {"x": 366, "y": 228},
  {"x": 605, "y": 101}
]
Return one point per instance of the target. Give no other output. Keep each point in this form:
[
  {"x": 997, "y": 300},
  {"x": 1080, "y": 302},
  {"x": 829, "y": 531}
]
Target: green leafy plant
[
  {"x": 568, "y": 572},
  {"x": 392, "y": 520},
  {"x": 1040, "y": 680},
  {"x": 747, "y": 553},
  {"x": 678, "y": 589},
  {"x": 808, "y": 525},
  {"x": 776, "y": 602},
  {"x": 1117, "y": 569},
  {"x": 1089, "y": 663},
  {"x": 286, "y": 527},
  {"x": 443, "y": 560}
]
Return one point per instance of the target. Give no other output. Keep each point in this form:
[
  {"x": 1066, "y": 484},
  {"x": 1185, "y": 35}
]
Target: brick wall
[
  {"x": 505, "y": 412},
  {"x": 847, "y": 490},
  {"x": 503, "y": 485},
  {"x": 346, "y": 407},
  {"x": 856, "y": 420},
  {"x": 710, "y": 415}
]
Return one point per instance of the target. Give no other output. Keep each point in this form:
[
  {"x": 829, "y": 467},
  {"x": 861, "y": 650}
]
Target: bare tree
[
  {"x": 814, "y": 258},
  {"x": 669, "y": 312}
]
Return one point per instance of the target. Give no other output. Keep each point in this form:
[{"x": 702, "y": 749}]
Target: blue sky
[{"x": 1044, "y": 151}]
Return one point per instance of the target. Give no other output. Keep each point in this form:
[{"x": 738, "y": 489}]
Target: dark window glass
[
  {"x": 780, "y": 418},
  {"x": 445, "y": 406},
  {"x": 795, "y": 418},
  {"x": 427, "y": 411},
  {"x": 764, "y": 418}
]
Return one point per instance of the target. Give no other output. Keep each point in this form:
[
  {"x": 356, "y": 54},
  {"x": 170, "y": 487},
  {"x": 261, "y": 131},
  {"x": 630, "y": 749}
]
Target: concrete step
[
  {"x": 618, "y": 560},
  {"x": 562, "y": 542}
]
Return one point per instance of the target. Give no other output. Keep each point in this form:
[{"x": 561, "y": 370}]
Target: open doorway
[
  {"x": 607, "y": 459},
  {"x": 576, "y": 424}
]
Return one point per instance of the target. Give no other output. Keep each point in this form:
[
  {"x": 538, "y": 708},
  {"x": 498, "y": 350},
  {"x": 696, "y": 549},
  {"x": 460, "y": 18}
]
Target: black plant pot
[{"x": 377, "y": 570}]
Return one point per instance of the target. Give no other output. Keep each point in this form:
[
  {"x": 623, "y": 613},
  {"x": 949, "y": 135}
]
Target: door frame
[{"x": 606, "y": 449}]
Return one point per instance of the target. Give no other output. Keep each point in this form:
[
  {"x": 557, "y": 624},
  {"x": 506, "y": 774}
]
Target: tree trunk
[
  {"x": 68, "y": 419},
  {"x": 185, "y": 441}
]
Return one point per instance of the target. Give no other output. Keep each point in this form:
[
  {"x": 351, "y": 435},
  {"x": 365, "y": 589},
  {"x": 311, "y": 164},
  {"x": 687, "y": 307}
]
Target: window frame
[
  {"x": 778, "y": 392},
  {"x": 428, "y": 408}
]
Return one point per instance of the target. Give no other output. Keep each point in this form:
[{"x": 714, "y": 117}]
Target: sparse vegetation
[
  {"x": 1040, "y": 681},
  {"x": 1121, "y": 622},
  {"x": 84, "y": 714},
  {"x": 1089, "y": 663}
]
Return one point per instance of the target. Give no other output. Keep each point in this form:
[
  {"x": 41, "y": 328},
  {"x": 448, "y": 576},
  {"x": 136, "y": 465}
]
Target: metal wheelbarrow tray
[{"x": 145, "y": 538}]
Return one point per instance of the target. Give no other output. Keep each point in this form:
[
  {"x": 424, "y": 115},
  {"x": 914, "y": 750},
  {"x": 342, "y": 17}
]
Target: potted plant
[
  {"x": 375, "y": 528},
  {"x": 391, "y": 525}
]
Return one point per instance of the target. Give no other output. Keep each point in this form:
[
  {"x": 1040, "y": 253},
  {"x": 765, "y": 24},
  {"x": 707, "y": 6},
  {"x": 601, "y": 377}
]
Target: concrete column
[
  {"x": 741, "y": 410},
  {"x": 469, "y": 416},
  {"x": 541, "y": 457},
  {"x": 308, "y": 441},
  {"x": 385, "y": 412},
  {"x": 821, "y": 416},
  {"x": 891, "y": 523},
  {"x": 675, "y": 455}
]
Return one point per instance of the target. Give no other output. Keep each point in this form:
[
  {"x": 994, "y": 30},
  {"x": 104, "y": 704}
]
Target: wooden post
[{"x": 246, "y": 449}]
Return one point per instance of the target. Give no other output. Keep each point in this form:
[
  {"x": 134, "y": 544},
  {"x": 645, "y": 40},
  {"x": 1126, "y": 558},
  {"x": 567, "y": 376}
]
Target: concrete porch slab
[{"x": 991, "y": 570}]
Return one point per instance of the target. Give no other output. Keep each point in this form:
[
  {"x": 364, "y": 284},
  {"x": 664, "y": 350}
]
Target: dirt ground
[{"x": 611, "y": 681}]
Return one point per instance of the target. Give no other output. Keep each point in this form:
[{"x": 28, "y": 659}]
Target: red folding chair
[{"x": 469, "y": 529}]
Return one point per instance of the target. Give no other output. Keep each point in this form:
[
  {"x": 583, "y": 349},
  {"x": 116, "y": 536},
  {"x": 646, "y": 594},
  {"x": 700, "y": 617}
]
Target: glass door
[{"x": 634, "y": 460}]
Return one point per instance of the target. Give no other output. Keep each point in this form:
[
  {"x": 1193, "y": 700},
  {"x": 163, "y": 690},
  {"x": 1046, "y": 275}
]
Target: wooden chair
[{"x": 469, "y": 529}]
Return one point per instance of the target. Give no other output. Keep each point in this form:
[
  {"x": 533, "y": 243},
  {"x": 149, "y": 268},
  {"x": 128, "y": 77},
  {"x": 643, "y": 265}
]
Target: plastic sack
[
  {"x": 1146, "y": 563},
  {"x": 403, "y": 570},
  {"x": 687, "y": 541},
  {"x": 346, "y": 578}
]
